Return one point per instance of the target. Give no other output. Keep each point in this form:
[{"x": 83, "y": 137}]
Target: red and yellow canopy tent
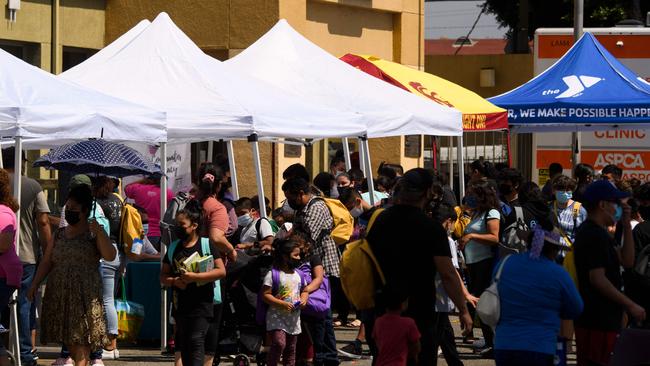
[{"x": 478, "y": 113}]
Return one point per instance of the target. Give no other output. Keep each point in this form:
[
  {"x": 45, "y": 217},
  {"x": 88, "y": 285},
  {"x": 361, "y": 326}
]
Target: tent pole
[
  {"x": 2, "y": 163},
  {"x": 163, "y": 207},
  {"x": 451, "y": 162},
  {"x": 233, "y": 170},
  {"x": 362, "y": 159},
  {"x": 18, "y": 172},
  {"x": 346, "y": 153},
  {"x": 210, "y": 150},
  {"x": 258, "y": 173},
  {"x": 461, "y": 168},
  {"x": 369, "y": 177},
  {"x": 578, "y": 16}
]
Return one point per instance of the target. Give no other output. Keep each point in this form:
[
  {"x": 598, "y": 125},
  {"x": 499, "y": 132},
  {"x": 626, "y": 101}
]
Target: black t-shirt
[
  {"x": 194, "y": 301},
  {"x": 405, "y": 241},
  {"x": 641, "y": 234},
  {"x": 594, "y": 248}
]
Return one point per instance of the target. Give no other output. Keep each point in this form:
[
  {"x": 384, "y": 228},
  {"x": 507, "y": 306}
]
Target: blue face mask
[
  {"x": 618, "y": 213},
  {"x": 471, "y": 201},
  {"x": 244, "y": 220},
  {"x": 563, "y": 197}
]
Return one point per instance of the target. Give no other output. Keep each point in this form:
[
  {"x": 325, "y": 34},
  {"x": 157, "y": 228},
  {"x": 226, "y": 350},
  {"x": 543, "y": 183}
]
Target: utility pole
[{"x": 578, "y": 16}]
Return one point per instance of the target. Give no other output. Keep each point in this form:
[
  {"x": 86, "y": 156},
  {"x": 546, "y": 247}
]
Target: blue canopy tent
[{"x": 587, "y": 89}]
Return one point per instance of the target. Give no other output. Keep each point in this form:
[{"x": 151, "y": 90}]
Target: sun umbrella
[{"x": 98, "y": 156}]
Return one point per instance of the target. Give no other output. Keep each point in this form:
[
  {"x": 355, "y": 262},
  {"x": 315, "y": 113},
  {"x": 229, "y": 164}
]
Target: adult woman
[
  {"x": 480, "y": 237},
  {"x": 344, "y": 180},
  {"x": 11, "y": 270},
  {"x": 584, "y": 174},
  {"x": 146, "y": 194},
  {"x": 73, "y": 311},
  {"x": 568, "y": 214},
  {"x": 215, "y": 214},
  {"x": 535, "y": 293}
]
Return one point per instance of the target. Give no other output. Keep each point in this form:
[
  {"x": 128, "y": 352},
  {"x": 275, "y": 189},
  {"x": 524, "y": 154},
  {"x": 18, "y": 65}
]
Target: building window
[
  {"x": 28, "y": 52},
  {"x": 73, "y": 56}
]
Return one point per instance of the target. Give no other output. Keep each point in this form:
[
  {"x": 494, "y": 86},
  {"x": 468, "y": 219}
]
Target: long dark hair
[
  {"x": 6, "y": 198},
  {"x": 209, "y": 180},
  {"x": 486, "y": 197},
  {"x": 282, "y": 248},
  {"x": 484, "y": 167}
]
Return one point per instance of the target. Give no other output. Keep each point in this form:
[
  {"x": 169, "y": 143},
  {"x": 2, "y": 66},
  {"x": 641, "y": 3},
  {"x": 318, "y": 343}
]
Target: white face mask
[
  {"x": 334, "y": 192},
  {"x": 356, "y": 212}
]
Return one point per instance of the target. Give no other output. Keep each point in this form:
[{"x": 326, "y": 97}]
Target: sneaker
[
  {"x": 111, "y": 355},
  {"x": 487, "y": 353},
  {"x": 479, "y": 343},
  {"x": 354, "y": 350},
  {"x": 63, "y": 362},
  {"x": 35, "y": 354}
]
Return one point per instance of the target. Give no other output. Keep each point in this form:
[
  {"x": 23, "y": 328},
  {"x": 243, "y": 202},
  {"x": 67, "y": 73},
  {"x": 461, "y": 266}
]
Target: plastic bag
[{"x": 130, "y": 316}]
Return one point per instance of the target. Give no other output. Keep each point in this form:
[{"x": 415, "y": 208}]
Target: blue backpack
[{"x": 205, "y": 249}]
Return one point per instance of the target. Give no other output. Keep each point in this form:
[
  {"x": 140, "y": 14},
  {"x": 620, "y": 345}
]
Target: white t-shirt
[
  {"x": 289, "y": 290},
  {"x": 443, "y": 302},
  {"x": 249, "y": 233}
]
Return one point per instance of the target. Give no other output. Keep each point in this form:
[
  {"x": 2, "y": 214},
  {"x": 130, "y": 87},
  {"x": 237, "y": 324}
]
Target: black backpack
[
  {"x": 168, "y": 221},
  {"x": 513, "y": 237}
]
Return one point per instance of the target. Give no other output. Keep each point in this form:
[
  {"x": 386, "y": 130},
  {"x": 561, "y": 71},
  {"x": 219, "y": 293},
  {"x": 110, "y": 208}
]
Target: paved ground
[{"x": 152, "y": 357}]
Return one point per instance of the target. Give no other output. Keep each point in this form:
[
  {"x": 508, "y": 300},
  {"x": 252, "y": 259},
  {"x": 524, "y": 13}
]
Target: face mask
[
  {"x": 180, "y": 233},
  {"x": 618, "y": 213},
  {"x": 356, "y": 212},
  {"x": 72, "y": 217},
  {"x": 644, "y": 211},
  {"x": 294, "y": 205},
  {"x": 293, "y": 263},
  {"x": 334, "y": 192},
  {"x": 471, "y": 202},
  {"x": 505, "y": 189},
  {"x": 563, "y": 197},
  {"x": 244, "y": 220},
  {"x": 339, "y": 172}
]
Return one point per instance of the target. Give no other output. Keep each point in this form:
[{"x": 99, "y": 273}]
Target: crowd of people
[{"x": 570, "y": 257}]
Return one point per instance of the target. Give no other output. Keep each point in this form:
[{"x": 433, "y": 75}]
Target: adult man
[
  {"x": 598, "y": 262},
  {"x": 612, "y": 173},
  {"x": 637, "y": 285},
  {"x": 35, "y": 236},
  {"x": 313, "y": 218},
  {"x": 410, "y": 248},
  {"x": 554, "y": 170}
]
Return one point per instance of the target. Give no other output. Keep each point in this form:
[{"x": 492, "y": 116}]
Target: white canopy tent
[
  {"x": 159, "y": 66},
  {"x": 35, "y": 104},
  {"x": 289, "y": 61}
]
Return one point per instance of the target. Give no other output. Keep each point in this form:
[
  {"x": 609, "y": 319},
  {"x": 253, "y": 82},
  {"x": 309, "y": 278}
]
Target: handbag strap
[
  {"x": 123, "y": 288},
  {"x": 503, "y": 263}
]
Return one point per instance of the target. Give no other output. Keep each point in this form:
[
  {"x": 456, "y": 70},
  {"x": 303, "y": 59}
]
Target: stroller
[{"x": 240, "y": 333}]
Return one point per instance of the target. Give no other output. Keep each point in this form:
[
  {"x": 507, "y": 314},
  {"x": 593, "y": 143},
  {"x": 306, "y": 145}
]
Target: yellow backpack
[
  {"x": 343, "y": 220},
  {"x": 360, "y": 271},
  {"x": 131, "y": 226},
  {"x": 569, "y": 263}
]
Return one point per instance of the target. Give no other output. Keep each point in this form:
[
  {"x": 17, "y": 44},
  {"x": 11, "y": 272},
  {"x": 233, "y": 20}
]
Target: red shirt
[
  {"x": 393, "y": 334},
  {"x": 215, "y": 214}
]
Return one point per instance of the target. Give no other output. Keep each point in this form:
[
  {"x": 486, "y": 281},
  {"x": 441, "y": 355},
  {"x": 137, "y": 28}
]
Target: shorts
[{"x": 594, "y": 346}]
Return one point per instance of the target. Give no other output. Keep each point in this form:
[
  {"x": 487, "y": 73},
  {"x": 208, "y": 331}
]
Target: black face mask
[
  {"x": 294, "y": 205},
  {"x": 72, "y": 217},
  {"x": 294, "y": 263},
  {"x": 505, "y": 189},
  {"x": 180, "y": 233},
  {"x": 645, "y": 212}
]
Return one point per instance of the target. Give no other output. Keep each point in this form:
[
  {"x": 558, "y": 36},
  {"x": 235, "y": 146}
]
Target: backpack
[
  {"x": 319, "y": 301},
  {"x": 130, "y": 225},
  {"x": 569, "y": 263},
  {"x": 205, "y": 249},
  {"x": 512, "y": 239},
  {"x": 361, "y": 275},
  {"x": 262, "y": 307},
  {"x": 343, "y": 220},
  {"x": 168, "y": 221}
]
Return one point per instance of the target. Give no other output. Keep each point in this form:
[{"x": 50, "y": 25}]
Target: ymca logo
[{"x": 575, "y": 86}]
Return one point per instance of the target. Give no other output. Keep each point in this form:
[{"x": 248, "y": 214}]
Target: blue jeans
[
  {"x": 324, "y": 340},
  {"x": 5, "y": 297},
  {"x": 518, "y": 358},
  {"x": 109, "y": 271},
  {"x": 24, "y": 314}
]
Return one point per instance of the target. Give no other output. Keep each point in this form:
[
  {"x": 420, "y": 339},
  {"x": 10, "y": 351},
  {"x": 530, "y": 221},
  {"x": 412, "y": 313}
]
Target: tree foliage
[{"x": 559, "y": 13}]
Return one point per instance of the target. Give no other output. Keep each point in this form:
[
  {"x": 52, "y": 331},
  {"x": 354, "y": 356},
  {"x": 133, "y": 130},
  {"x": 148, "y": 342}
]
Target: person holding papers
[{"x": 191, "y": 271}]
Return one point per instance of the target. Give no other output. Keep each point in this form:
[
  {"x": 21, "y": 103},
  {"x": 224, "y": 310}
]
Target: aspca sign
[{"x": 627, "y": 160}]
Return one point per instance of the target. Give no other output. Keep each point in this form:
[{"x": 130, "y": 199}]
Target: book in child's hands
[
  {"x": 205, "y": 264},
  {"x": 190, "y": 262}
]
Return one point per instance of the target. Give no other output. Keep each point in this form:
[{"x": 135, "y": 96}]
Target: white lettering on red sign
[{"x": 626, "y": 160}]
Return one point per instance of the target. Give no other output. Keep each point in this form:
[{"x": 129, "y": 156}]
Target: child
[
  {"x": 397, "y": 337},
  {"x": 285, "y": 294},
  {"x": 446, "y": 216},
  {"x": 193, "y": 304}
]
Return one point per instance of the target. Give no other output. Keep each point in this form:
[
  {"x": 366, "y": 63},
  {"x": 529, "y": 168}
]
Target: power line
[{"x": 472, "y": 29}]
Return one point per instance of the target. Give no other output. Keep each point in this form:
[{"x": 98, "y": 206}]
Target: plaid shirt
[
  {"x": 567, "y": 221},
  {"x": 316, "y": 220}
]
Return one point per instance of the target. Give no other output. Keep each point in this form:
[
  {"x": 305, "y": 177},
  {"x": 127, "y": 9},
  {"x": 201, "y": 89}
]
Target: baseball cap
[{"x": 603, "y": 190}]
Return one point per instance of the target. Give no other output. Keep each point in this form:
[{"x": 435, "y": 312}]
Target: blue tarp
[{"x": 587, "y": 89}]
